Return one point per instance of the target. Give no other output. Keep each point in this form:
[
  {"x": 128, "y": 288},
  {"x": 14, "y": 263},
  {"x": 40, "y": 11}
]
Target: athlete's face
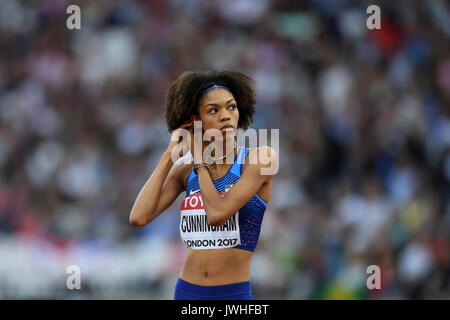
[{"x": 217, "y": 108}]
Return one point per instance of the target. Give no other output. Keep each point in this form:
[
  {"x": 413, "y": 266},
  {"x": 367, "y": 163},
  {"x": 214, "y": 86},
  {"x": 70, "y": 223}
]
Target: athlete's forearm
[
  {"x": 148, "y": 198},
  {"x": 212, "y": 201}
]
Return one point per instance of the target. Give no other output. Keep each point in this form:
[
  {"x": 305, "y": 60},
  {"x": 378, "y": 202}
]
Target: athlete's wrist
[{"x": 202, "y": 165}]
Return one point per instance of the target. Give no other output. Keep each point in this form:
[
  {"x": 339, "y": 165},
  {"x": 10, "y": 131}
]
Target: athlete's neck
[
  {"x": 227, "y": 155},
  {"x": 225, "y": 163}
]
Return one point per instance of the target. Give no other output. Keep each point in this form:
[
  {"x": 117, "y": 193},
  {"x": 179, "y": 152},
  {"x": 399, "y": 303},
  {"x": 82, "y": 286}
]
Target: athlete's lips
[{"x": 227, "y": 126}]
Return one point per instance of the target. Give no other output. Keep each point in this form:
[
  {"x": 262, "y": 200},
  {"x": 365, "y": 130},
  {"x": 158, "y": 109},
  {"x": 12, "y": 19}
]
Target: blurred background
[{"x": 364, "y": 119}]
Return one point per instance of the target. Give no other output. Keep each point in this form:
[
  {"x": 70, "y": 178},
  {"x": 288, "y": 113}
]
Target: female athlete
[{"x": 225, "y": 197}]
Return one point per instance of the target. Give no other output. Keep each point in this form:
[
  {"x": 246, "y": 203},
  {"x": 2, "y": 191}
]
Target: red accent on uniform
[{"x": 194, "y": 202}]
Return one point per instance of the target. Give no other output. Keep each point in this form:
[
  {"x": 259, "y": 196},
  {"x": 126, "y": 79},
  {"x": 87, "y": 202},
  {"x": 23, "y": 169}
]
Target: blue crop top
[{"x": 240, "y": 231}]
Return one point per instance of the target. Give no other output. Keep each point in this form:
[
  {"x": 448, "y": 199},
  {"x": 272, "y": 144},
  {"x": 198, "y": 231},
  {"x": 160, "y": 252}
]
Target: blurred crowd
[{"x": 364, "y": 148}]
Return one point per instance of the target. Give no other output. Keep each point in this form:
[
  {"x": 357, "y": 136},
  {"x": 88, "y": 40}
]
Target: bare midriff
[{"x": 213, "y": 267}]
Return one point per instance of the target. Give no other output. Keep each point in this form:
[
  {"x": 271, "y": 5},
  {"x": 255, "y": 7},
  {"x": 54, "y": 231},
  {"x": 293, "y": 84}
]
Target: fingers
[{"x": 187, "y": 125}]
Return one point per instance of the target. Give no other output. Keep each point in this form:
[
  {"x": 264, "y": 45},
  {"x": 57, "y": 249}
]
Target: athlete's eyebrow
[{"x": 215, "y": 105}]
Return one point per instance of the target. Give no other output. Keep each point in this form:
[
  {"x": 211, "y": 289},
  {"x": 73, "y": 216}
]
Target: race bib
[{"x": 198, "y": 234}]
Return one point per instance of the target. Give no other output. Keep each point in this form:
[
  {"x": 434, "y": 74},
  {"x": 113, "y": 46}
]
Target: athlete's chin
[
  {"x": 226, "y": 139},
  {"x": 227, "y": 131}
]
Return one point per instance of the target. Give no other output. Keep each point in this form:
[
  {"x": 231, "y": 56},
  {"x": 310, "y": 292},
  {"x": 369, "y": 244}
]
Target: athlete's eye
[
  {"x": 233, "y": 106},
  {"x": 212, "y": 109}
]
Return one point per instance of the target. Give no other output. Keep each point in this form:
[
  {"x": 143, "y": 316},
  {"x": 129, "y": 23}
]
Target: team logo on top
[
  {"x": 194, "y": 191},
  {"x": 228, "y": 187}
]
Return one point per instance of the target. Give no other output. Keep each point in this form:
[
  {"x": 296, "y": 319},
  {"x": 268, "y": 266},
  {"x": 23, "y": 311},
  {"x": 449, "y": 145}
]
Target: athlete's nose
[
  {"x": 224, "y": 116},
  {"x": 225, "y": 119}
]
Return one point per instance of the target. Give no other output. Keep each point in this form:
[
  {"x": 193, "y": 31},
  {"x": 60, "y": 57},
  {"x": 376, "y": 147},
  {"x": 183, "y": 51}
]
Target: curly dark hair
[{"x": 183, "y": 95}]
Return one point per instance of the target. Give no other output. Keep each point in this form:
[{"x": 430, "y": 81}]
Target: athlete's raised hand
[{"x": 176, "y": 147}]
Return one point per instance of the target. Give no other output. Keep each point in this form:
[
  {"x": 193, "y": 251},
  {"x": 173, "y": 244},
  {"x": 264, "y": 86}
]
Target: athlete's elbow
[
  {"x": 136, "y": 221},
  {"x": 216, "y": 220}
]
